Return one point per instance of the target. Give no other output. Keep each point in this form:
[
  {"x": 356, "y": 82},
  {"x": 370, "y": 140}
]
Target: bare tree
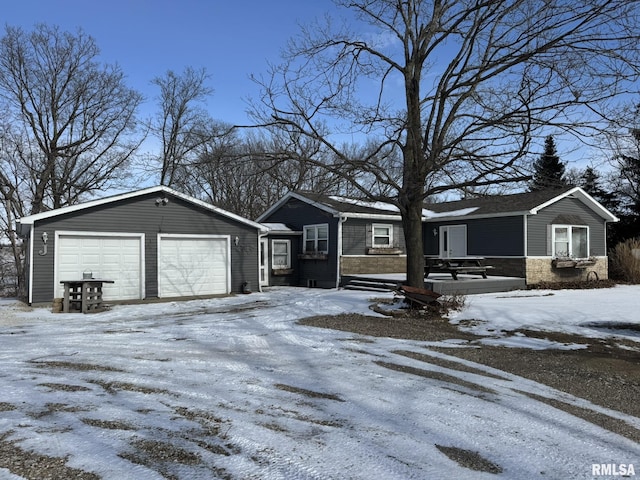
[
  {"x": 75, "y": 112},
  {"x": 68, "y": 124},
  {"x": 455, "y": 88},
  {"x": 182, "y": 124},
  {"x": 245, "y": 174}
]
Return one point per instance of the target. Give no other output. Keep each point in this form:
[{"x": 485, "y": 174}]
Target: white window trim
[
  {"x": 316, "y": 227},
  {"x": 569, "y": 227},
  {"x": 273, "y": 254},
  {"x": 373, "y": 235}
]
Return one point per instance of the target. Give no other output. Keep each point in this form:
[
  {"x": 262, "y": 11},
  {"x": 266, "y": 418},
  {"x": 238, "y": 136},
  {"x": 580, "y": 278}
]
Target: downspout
[
  {"x": 341, "y": 220},
  {"x": 31, "y": 262},
  {"x": 525, "y": 231}
]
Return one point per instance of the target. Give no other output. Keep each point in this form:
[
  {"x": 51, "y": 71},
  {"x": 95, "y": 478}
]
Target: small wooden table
[
  {"x": 83, "y": 295},
  {"x": 455, "y": 265}
]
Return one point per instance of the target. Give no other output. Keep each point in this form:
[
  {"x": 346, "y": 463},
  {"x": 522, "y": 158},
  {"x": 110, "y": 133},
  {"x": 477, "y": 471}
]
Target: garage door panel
[
  {"x": 193, "y": 266},
  {"x": 109, "y": 257}
]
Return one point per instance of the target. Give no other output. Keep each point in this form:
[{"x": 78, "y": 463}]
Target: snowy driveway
[{"x": 233, "y": 388}]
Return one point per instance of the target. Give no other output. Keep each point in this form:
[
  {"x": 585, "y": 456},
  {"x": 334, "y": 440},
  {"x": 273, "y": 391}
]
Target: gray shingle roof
[
  {"x": 499, "y": 204},
  {"x": 495, "y": 204},
  {"x": 345, "y": 205}
]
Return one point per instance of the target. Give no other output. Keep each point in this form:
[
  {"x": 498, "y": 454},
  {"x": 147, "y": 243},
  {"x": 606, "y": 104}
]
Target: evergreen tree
[
  {"x": 590, "y": 183},
  {"x": 629, "y": 189},
  {"x": 548, "y": 169}
]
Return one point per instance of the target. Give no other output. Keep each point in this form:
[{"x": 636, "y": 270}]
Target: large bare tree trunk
[{"x": 412, "y": 225}]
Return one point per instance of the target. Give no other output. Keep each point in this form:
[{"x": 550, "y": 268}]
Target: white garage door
[
  {"x": 194, "y": 265},
  {"x": 109, "y": 257}
]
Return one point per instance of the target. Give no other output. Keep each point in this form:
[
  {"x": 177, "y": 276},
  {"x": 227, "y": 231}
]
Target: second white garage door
[{"x": 193, "y": 265}]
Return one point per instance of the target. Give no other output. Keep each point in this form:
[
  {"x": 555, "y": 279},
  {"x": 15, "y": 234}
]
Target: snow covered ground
[{"x": 233, "y": 388}]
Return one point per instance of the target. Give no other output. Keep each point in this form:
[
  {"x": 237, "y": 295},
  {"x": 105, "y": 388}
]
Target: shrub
[{"x": 625, "y": 261}]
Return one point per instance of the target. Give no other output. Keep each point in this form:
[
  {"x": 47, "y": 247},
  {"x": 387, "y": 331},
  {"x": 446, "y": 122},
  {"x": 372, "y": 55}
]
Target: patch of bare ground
[
  {"x": 408, "y": 327},
  {"x": 605, "y": 373},
  {"x": 64, "y": 387},
  {"x": 114, "y": 387},
  {"x": 76, "y": 366},
  {"x": 308, "y": 393},
  {"x": 107, "y": 424},
  {"x": 469, "y": 459},
  {"x": 34, "y": 466},
  {"x": 442, "y": 377}
]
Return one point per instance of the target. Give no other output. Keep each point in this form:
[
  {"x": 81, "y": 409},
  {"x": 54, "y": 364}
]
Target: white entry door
[
  {"x": 453, "y": 241},
  {"x": 193, "y": 265}
]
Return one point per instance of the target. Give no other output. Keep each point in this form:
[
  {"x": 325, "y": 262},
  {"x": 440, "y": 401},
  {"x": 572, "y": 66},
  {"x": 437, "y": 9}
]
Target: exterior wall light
[{"x": 45, "y": 237}]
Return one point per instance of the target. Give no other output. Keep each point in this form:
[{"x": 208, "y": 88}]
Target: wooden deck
[{"x": 438, "y": 282}]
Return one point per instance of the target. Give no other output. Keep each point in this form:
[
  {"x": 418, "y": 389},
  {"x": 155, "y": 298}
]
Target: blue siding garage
[{"x": 153, "y": 243}]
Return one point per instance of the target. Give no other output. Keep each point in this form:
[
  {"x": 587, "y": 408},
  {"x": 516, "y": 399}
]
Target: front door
[
  {"x": 264, "y": 262},
  {"x": 453, "y": 241}
]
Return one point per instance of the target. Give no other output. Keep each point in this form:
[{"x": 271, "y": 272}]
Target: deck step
[{"x": 372, "y": 285}]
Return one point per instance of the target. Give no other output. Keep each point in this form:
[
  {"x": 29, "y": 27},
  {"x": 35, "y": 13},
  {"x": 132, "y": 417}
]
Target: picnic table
[
  {"x": 455, "y": 265},
  {"x": 83, "y": 295}
]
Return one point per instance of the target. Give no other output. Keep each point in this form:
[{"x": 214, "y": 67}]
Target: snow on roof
[
  {"x": 387, "y": 207},
  {"x": 392, "y": 208},
  {"x": 453, "y": 213},
  {"x": 277, "y": 227}
]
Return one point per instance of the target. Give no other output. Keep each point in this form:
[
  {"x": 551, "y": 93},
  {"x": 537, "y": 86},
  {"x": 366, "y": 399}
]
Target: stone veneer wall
[
  {"x": 541, "y": 270},
  {"x": 373, "y": 264}
]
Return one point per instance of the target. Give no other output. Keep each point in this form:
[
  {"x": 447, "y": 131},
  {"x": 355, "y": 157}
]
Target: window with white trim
[
  {"x": 280, "y": 254},
  {"x": 382, "y": 235},
  {"x": 570, "y": 241},
  {"x": 316, "y": 238}
]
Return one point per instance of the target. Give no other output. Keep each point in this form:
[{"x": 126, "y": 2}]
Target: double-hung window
[
  {"x": 316, "y": 238},
  {"x": 382, "y": 235},
  {"x": 570, "y": 241},
  {"x": 281, "y": 254}
]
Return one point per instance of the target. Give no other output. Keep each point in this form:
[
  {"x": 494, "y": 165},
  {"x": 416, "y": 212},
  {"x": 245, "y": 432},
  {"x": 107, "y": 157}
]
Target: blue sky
[{"x": 231, "y": 39}]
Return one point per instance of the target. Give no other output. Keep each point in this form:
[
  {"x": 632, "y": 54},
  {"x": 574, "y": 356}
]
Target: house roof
[
  {"x": 340, "y": 206},
  {"x": 31, "y": 219},
  {"x": 528, "y": 203}
]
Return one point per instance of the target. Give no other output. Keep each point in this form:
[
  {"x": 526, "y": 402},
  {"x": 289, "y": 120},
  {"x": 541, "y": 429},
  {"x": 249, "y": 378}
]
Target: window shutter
[
  {"x": 549, "y": 240},
  {"x": 369, "y": 236}
]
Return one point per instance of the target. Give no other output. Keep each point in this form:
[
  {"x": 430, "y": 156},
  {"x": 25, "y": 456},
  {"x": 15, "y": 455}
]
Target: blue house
[{"x": 552, "y": 235}]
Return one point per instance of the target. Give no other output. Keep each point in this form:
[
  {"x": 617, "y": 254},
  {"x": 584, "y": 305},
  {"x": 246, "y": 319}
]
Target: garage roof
[{"x": 30, "y": 219}]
